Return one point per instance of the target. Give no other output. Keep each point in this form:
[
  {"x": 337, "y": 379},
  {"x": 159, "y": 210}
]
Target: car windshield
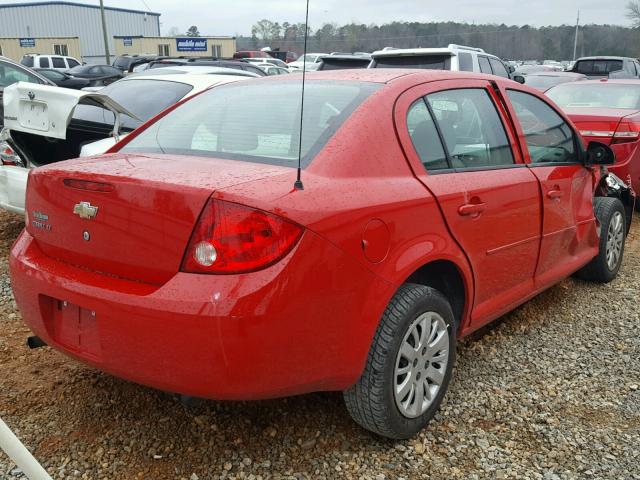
[
  {"x": 143, "y": 98},
  {"x": 544, "y": 82},
  {"x": 605, "y": 95},
  {"x": 427, "y": 62},
  {"x": 79, "y": 69},
  {"x": 258, "y": 121},
  {"x": 598, "y": 67}
]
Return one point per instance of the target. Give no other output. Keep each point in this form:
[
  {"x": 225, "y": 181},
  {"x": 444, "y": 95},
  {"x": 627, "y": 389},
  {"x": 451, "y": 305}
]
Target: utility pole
[
  {"x": 107, "y": 57},
  {"x": 575, "y": 41}
]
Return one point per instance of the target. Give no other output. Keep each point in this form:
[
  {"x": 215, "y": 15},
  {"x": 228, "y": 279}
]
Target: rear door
[
  {"x": 460, "y": 149},
  {"x": 569, "y": 236}
]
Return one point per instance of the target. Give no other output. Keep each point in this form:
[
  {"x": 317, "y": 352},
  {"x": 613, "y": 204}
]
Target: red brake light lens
[
  {"x": 232, "y": 238},
  {"x": 627, "y": 131}
]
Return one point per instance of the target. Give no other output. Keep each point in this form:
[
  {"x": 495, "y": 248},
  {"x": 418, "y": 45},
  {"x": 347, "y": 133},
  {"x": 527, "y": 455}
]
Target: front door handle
[
  {"x": 472, "y": 209},
  {"x": 554, "y": 194}
]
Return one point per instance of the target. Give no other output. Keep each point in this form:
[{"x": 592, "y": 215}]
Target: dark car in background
[
  {"x": 98, "y": 75},
  {"x": 63, "y": 79},
  {"x": 597, "y": 67},
  {"x": 127, "y": 63},
  {"x": 196, "y": 62}
]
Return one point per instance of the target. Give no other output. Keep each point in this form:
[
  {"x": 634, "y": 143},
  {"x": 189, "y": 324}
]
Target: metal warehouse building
[{"x": 32, "y": 25}]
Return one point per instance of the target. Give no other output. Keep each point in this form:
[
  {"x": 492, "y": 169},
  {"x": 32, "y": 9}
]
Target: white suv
[
  {"x": 54, "y": 62},
  {"x": 454, "y": 57}
]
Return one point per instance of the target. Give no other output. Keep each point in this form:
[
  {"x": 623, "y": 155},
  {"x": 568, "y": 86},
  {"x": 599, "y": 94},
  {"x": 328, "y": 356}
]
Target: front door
[
  {"x": 569, "y": 238},
  {"x": 489, "y": 198}
]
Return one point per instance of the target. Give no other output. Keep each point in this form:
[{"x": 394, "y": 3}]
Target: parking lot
[{"x": 549, "y": 391}]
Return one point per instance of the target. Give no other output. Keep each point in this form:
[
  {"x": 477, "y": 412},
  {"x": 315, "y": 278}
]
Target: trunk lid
[
  {"x": 46, "y": 111},
  {"x": 597, "y": 124},
  {"x": 125, "y": 215}
]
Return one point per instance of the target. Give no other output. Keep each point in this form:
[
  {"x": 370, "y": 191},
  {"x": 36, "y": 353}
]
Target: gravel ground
[{"x": 550, "y": 391}]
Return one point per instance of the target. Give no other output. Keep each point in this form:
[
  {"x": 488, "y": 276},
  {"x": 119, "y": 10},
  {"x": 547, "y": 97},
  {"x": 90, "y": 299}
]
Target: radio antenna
[{"x": 298, "y": 184}]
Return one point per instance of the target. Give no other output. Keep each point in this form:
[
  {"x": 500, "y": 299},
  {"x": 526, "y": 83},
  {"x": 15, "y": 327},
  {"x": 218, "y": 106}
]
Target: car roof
[
  {"x": 616, "y": 81},
  {"x": 388, "y": 75},
  {"x": 197, "y": 81},
  {"x": 604, "y": 57},
  {"x": 546, "y": 73}
]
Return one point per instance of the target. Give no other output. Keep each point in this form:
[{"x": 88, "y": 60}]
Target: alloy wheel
[
  {"x": 421, "y": 364},
  {"x": 615, "y": 239}
]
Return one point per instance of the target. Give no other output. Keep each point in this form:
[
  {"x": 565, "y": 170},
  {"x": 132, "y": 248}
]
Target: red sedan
[
  {"x": 187, "y": 260},
  {"x": 607, "y": 111}
]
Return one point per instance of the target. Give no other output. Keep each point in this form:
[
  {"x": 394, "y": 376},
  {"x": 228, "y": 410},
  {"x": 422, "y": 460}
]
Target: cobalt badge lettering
[
  {"x": 40, "y": 221},
  {"x": 191, "y": 44}
]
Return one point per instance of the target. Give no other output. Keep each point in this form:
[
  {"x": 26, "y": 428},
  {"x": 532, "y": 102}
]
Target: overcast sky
[{"x": 225, "y": 17}]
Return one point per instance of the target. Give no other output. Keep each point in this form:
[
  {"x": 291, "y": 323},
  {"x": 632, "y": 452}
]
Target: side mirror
[
  {"x": 599, "y": 154},
  {"x": 519, "y": 78}
]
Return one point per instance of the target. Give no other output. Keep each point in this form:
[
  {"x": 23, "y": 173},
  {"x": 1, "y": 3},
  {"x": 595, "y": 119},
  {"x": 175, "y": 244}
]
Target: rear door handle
[
  {"x": 554, "y": 194},
  {"x": 472, "y": 209}
]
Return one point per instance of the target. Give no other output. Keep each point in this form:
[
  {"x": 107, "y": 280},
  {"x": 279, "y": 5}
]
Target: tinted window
[
  {"x": 498, "y": 68},
  {"x": 255, "y": 121},
  {"x": 425, "y": 138},
  {"x": 27, "y": 61},
  {"x": 52, "y": 75},
  {"x": 79, "y": 70},
  {"x": 329, "y": 63},
  {"x": 471, "y": 127},
  {"x": 143, "y": 98},
  {"x": 428, "y": 62},
  {"x": 607, "y": 95},
  {"x": 122, "y": 62},
  {"x": 95, "y": 71},
  {"x": 58, "y": 62},
  {"x": 72, "y": 63},
  {"x": 485, "y": 67},
  {"x": 10, "y": 74},
  {"x": 465, "y": 60},
  {"x": 549, "y": 137},
  {"x": 597, "y": 67},
  {"x": 44, "y": 62}
]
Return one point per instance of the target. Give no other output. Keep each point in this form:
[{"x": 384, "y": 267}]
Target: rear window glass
[
  {"x": 58, "y": 62},
  {"x": 257, "y": 121},
  {"x": 602, "y": 95},
  {"x": 597, "y": 67},
  {"x": 27, "y": 61},
  {"x": 342, "y": 64},
  {"x": 143, "y": 98},
  {"x": 122, "y": 63},
  {"x": 427, "y": 62},
  {"x": 544, "y": 82}
]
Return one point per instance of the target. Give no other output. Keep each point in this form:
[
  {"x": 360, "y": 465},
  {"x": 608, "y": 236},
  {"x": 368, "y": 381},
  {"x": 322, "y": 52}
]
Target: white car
[
  {"x": 53, "y": 62},
  {"x": 312, "y": 61},
  {"x": 45, "y": 124}
]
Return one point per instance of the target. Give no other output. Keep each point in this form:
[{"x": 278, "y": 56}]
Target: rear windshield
[
  {"x": 122, "y": 62},
  {"x": 428, "y": 62},
  {"x": 597, "y": 67},
  {"x": 602, "y": 95},
  {"x": 143, "y": 98},
  {"x": 329, "y": 63},
  {"x": 256, "y": 121}
]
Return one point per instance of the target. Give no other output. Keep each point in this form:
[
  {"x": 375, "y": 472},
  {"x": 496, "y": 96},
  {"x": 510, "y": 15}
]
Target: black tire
[
  {"x": 371, "y": 401},
  {"x": 598, "y": 270}
]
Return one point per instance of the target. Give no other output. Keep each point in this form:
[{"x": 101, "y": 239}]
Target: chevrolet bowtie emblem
[{"x": 85, "y": 210}]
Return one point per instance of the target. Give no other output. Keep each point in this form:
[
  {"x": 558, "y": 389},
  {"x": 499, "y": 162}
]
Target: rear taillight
[
  {"x": 8, "y": 155},
  {"x": 627, "y": 131},
  {"x": 232, "y": 238}
]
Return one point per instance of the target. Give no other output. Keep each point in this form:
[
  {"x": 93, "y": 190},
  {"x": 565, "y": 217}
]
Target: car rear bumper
[
  {"x": 296, "y": 327},
  {"x": 627, "y": 166},
  {"x": 13, "y": 187}
]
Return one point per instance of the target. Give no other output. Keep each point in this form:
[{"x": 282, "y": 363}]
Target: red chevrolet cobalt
[{"x": 431, "y": 203}]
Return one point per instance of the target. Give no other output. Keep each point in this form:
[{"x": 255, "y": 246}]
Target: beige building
[
  {"x": 176, "y": 46},
  {"x": 15, "y": 48}
]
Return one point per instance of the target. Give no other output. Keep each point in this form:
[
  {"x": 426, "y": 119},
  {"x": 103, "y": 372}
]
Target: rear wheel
[
  {"x": 409, "y": 365},
  {"x": 611, "y": 215}
]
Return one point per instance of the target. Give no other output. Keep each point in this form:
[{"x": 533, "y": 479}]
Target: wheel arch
[{"x": 448, "y": 278}]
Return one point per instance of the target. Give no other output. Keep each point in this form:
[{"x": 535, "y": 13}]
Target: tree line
[{"x": 506, "y": 41}]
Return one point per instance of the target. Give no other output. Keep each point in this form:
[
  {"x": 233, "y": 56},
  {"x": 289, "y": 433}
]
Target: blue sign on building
[
  {"x": 191, "y": 44},
  {"x": 27, "y": 42},
  {"x": 128, "y": 42}
]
